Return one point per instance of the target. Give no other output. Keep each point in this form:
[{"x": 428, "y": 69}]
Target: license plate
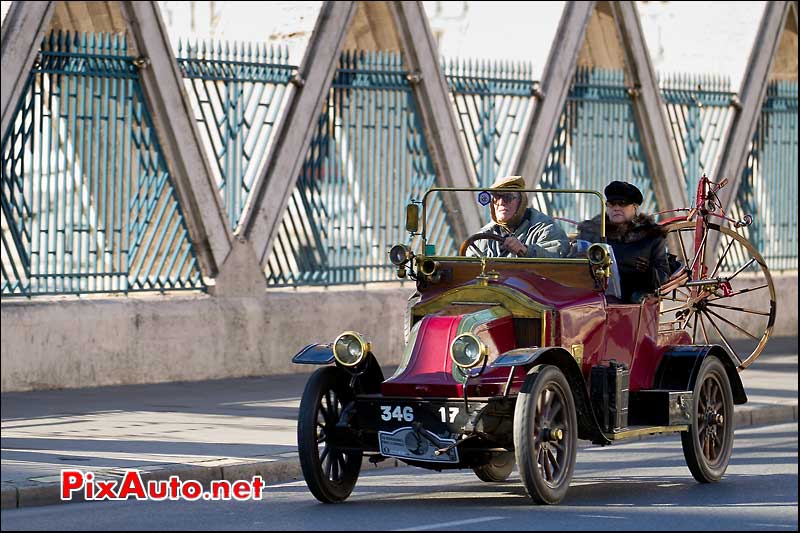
[{"x": 419, "y": 445}]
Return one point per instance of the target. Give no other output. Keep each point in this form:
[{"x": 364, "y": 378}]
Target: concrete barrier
[
  {"x": 113, "y": 341},
  {"x": 758, "y": 300},
  {"x": 69, "y": 343}
]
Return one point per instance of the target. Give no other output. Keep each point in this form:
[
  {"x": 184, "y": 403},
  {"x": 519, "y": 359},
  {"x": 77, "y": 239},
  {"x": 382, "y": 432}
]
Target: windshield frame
[{"x": 423, "y": 233}]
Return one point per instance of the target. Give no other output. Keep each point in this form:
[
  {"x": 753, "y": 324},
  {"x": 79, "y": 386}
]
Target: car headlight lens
[
  {"x": 598, "y": 254},
  {"x": 467, "y": 350},
  {"x": 349, "y": 348},
  {"x": 399, "y": 254}
]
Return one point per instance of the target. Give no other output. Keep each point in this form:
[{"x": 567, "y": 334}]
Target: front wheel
[
  {"x": 330, "y": 472},
  {"x": 708, "y": 444},
  {"x": 546, "y": 435}
]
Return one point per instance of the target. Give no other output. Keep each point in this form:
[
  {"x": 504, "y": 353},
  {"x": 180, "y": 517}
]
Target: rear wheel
[
  {"x": 708, "y": 444},
  {"x": 330, "y": 472},
  {"x": 497, "y": 469},
  {"x": 546, "y": 435}
]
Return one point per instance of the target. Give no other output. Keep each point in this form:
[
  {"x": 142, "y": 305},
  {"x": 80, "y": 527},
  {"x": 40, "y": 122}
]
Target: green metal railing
[
  {"x": 768, "y": 189},
  {"x": 238, "y": 93},
  {"x": 597, "y": 141},
  {"x": 88, "y": 204},
  {"x": 367, "y": 159},
  {"x": 493, "y": 102},
  {"x": 700, "y": 108},
  {"x": 87, "y": 201}
]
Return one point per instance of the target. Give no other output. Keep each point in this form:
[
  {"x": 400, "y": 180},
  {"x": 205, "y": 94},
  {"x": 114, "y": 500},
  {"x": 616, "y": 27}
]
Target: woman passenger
[{"x": 639, "y": 243}]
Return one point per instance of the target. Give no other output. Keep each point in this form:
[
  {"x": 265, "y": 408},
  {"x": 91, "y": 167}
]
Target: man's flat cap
[{"x": 508, "y": 182}]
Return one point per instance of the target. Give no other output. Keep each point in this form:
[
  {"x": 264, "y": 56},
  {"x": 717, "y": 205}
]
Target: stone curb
[
  {"x": 289, "y": 470},
  {"x": 281, "y": 471}
]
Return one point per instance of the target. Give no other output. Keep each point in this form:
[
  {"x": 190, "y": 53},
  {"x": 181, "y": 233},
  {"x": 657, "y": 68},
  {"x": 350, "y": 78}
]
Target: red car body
[{"x": 557, "y": 360}]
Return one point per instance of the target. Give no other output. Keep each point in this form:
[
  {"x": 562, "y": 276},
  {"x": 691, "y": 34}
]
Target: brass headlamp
[
  {"x": 349, "y": 348},
  {"x": 599, "y": 255},
  {"x": 399, "y": 255},
  {"x": 467, "y": 350}
]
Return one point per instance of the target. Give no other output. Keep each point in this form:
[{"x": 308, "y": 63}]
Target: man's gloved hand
[
  {"x": 513, "y": 245},
  {"x": 641, "y": 264}
]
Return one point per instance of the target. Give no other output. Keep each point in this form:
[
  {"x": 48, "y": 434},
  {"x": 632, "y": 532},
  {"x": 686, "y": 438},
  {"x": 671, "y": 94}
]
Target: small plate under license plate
[{"x": 419, "y": 445}]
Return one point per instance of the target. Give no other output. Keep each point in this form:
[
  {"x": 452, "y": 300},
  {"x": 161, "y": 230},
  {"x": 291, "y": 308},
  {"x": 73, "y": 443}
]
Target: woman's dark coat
[{"x": 641, "y": 237}]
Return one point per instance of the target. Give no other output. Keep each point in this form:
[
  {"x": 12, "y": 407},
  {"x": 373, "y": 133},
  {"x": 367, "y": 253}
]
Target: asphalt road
[{"x": 641, "y": 485}]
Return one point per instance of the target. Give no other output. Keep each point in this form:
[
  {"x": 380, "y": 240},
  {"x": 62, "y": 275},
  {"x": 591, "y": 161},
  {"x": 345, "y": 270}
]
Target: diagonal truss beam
[
  {"x": 22, "y": 33},
  {"x": 559, "y": 69},
  {"x": 271, "y": 195},
  {"x": 172, "y": 114},
  {"x": 648, "y": 107},
  {"x": 557, "y": 77},
  {"x": 751, "y": 95},
  {"x": 262, "y": 222},
  {"x": 752, "y": 92},
  {"x": 450, "y": 160}
]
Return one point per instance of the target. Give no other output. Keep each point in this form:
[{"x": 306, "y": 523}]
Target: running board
[{"x": 638, "y": 431}]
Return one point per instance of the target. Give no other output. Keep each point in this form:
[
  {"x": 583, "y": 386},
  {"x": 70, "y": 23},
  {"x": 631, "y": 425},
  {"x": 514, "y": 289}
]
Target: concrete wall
[
  {"x": 110, "y": 341},
  {"x": 786, "y": 307},
  {"x": 88, "y": 343},
  {"x": 786, "y": 289}
]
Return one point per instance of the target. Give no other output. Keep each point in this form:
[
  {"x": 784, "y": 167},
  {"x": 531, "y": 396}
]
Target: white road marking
[{"x": 449, "y": 525}]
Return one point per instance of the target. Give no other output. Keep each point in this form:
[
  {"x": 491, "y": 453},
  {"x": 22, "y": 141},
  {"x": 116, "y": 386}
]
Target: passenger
[
  {"x": 527, "y": 232},
  {"x": 639, "y": 243}
]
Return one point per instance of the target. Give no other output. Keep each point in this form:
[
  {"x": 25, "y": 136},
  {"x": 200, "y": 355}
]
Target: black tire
[
  {"x": 708, "y": 444},
  {"x": 330, "y": 473},
  {"x": 545, "y": 462},
  {"x": 497, "y": 469}
]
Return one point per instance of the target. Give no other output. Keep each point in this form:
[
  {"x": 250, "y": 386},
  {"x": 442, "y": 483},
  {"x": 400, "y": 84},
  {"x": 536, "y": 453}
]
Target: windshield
[{"x": 544, "y": 222}]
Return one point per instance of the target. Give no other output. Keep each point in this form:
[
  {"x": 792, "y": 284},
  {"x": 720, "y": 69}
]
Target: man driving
[{"x": 525, "y": 231}]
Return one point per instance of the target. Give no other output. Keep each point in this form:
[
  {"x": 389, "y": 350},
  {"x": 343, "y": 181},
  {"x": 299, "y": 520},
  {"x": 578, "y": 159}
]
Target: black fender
[
  {"x": 366, "y": 377},
  {"x": 588, "y": 428},
  {"x": 315, "y": 354},
  {"x": 680, "y": 365}
]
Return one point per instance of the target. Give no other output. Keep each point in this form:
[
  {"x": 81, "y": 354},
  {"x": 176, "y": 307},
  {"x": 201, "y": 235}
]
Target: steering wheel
[{"x": 470, "y": 241}]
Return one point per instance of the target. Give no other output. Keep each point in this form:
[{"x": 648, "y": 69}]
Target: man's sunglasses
[{"x": 506, "y": 197}]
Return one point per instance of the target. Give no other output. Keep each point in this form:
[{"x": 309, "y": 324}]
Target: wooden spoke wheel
[
  {"x": 330, "y": 472},
  {"x": 736, "y": 308},
  {"x": 546, "y": 434},
  {"x": 708, "y": 444}
]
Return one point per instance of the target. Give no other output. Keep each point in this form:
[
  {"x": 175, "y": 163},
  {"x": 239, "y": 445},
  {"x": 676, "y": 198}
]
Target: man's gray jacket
[{"x": 540, "y": 233}]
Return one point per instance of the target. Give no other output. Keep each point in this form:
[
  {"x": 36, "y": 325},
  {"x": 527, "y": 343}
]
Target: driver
[{"x": 526, "y": 231}]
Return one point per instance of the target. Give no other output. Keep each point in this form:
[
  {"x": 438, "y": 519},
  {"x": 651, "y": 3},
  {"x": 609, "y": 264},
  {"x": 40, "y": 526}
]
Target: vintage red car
[{"x": 510, "y": 361}]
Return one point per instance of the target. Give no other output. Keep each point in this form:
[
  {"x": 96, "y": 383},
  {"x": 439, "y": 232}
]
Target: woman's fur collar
[{"x": 641, "y": 227}]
